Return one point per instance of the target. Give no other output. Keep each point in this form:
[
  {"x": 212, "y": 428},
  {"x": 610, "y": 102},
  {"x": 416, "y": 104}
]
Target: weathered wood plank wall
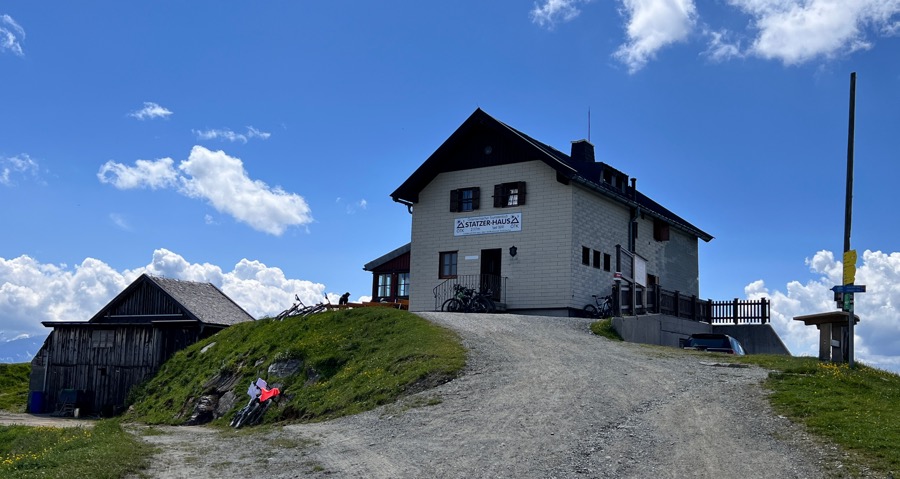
[{"x": 108, "y": 361}]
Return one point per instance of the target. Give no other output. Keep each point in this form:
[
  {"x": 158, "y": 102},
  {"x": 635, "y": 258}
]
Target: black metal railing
[
  {"x": 479, "y": 282},
  {"x": 630, "y": 299}
]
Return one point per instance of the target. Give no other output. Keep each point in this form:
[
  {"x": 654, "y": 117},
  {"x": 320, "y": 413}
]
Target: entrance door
[{"x": 490, "y": 271}]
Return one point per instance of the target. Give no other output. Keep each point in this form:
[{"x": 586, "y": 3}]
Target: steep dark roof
[
  {"x": 371, "y": 265},
  {"x": 205, "y": 301},
  {"x": 480, "y": 126},
  {"x": 201, "y": 302}
]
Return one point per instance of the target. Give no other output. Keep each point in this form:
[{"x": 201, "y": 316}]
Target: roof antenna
[{"x": 589, "y": 124}]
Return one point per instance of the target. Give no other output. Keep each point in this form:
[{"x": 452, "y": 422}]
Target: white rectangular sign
[
  {"x": 640, "y": 271},
  {"x": 479, "y": 225}
]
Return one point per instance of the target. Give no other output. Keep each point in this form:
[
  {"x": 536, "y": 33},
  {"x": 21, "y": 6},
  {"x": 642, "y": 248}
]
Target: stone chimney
[{"x": 582, "y": 151}]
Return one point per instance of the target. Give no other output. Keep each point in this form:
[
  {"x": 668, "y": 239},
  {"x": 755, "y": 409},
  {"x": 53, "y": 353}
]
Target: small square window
[
  {"x": 607, "y": 259},
  {"x": 597, "y": 259},
  {"x": 585, "y": 256}
]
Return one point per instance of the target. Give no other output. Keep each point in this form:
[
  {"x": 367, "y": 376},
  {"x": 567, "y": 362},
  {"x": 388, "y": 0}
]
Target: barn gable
[{"x": 154, "y": 298}]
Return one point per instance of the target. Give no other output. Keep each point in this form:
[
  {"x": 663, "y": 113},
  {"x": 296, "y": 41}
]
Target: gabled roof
[
  {"x": 204, "y": 301},
  {"x": 371, "y": 265},
  {"x": 480, "y": 126},
  {"x": 200, "y": 302}
]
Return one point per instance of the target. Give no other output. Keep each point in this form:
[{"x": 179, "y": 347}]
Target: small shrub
[{"x": 605, "y": 328}]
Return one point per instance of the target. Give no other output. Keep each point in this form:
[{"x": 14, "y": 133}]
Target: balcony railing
[{"x": 631, "y": 300}]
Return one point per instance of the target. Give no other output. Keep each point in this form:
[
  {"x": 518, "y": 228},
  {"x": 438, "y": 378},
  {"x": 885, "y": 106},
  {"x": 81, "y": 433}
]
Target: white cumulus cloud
[
  {"x": 32, "y": 292},
  {"x": 792, "y": 32},
  {"x": 878, "y": 332},
  {"x": 11, "y": 35},
  {"x": 797, "y": 31},
  {"x": 653, "y": 25},
  {"x": 144, "y": 174},
  {"x": 221, "y": 181},
  {"x": 150, "y": 110}
]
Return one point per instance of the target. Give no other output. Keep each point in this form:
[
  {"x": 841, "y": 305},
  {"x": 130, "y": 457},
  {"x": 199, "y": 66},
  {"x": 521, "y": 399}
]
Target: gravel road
[{"x": 540, "y": 397}]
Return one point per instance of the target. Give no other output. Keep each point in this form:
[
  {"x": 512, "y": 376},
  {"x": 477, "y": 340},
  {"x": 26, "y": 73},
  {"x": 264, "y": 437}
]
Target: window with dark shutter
[
  {"x": 660, "y": 230},
  {"x": 509, "y": 194},
  {"x": 465, "y": 199}
]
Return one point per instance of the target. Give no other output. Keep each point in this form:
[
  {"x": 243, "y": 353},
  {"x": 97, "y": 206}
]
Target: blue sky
[{"x": 255, "y": 146}]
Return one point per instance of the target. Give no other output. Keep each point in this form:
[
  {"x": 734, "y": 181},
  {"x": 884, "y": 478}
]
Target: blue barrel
[{"x": 36, "y": 402}]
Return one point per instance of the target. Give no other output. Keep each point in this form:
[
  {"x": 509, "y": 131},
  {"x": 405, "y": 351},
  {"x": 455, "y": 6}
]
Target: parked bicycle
[
  {"x": 466, "y": 300},
  {"x": 302, "y": 310},
  {"x": 602, "y": 307},
  {"x": 261, "y": 399},
  {"x": 293, "y": 310}
]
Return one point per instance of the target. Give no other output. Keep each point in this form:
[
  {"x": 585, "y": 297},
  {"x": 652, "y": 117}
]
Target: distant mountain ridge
[{"x": 20, "y": 350}]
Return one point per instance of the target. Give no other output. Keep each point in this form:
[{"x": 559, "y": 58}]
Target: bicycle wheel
[
  {"x": 482, "y": 305},
  {"x": 248, "y": 414},
  {"x": 491, "y": 306},
  {"x": 591, "y": 311},
  {"x": 257, "y": 415},
  {"x": 605, "y": 311},
  {"x": 237, "y": 416},
  {"x": 452, "y": 305}
]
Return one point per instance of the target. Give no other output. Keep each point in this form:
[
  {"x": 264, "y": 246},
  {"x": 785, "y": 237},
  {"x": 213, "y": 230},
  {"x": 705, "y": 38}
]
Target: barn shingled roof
[{"x": 205, "y": 301}]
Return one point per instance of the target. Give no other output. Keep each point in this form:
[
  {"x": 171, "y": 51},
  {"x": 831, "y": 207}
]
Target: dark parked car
[{"x": 713, "y": 343}]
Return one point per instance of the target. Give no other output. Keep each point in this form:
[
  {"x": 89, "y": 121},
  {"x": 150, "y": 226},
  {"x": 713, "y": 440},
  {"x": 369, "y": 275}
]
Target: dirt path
[
  {"x": 541, "y": 397},
  {"x": 22, "y": 419}
]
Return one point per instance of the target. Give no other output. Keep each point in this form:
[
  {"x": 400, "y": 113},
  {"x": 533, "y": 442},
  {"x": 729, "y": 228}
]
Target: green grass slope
[
  {"x": 351, "y": 361},
  {"x": 857, "y": 408},
  {"x": 14, "y": 380}
]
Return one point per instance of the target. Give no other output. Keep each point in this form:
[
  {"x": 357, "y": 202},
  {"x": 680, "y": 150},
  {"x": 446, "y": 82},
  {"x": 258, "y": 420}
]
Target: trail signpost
[
  {"x": 850, "y": 255},
  {"x": 849, "y": 288}
]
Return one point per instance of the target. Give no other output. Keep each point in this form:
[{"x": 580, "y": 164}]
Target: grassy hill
[
  {"x": 14, "y": 386},
  {"x": 346, "y": 362}
]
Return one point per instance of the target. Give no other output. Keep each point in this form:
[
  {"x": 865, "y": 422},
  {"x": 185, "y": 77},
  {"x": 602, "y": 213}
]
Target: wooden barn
[{"x": 92, "y": 365}]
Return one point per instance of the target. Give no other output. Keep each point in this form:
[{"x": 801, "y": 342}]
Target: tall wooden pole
[{"x": 848, "y": 211}]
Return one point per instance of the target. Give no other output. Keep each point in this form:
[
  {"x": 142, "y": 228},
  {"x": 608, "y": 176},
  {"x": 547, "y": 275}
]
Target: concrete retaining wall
[{"x": 666, "y": 330}]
